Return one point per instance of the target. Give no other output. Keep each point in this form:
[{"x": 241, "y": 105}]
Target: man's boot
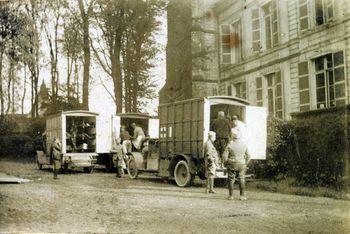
[
  {"x": 119, "y": 172},
  {"x": 207, "y": 184},
  {"x": 211, "y": 185},
  {"x": 55, "y": 177},
  {"x": 230, "y": 189},
  {"x": 242, "y": 189}
]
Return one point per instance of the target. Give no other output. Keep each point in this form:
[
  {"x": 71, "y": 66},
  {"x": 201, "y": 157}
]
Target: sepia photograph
[{"x": 175, "y": 116}]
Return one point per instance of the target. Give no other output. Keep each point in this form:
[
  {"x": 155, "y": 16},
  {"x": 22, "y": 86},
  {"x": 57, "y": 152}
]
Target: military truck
[
  {"x": 76, "y": 130},
  {"x": 109, "y": 130},
  {"x": 183, "y": 129}
]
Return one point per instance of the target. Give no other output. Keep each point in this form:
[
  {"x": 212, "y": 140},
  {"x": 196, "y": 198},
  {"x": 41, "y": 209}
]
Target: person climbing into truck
[
  {"x": 210, "y": 161},
  {"x": 221, "y": 126},
  {"x": 138, "y": 136},
  {"x": 125, "y": 140}
]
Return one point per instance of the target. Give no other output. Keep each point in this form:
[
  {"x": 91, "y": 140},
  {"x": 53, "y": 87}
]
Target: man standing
[
  {"x": 221, "y": 126},
  {"x": 139, "y": 135},
  {"x": 125, "y": 140},
  {"x": 238, "y": 126},
  {"x": 236, "y": 158},
  {"x": 56, "y": 156},
  {"x": 210, "y": 161}
]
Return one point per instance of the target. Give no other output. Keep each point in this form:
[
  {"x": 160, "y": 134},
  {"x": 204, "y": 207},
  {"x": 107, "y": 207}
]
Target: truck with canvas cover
[
  {"x": 183, "y": 130},
  {"x": 76, "y": 130},
  {"x": 109, "y": 132}
]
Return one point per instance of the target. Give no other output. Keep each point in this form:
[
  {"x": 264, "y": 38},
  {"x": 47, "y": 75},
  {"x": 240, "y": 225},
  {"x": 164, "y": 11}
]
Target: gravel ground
[{"x": 99, "y": 202}]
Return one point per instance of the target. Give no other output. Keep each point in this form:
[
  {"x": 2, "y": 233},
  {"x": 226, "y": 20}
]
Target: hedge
[{"x": 312, "y": 148}]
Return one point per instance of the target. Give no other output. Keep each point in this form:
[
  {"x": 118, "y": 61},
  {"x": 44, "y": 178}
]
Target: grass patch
[{"x": 288, "y": 186}]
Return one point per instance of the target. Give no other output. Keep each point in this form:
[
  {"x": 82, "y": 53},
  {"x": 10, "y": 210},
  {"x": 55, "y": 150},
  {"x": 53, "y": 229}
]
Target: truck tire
[
  {"x": 88, "y": 169},
  {"x": 182, "y": 174},
  {"x": 133, "y": 171}
]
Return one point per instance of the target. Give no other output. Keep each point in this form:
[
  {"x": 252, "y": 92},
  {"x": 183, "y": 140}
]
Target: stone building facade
[{"x": 287, "y": 55}]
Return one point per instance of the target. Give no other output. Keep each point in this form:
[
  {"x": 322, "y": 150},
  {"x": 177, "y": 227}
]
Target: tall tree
[
  {"x": 125, "y": 47},
  {"x": 111, "y": 20},
  {"x": 86, "y": 13}
]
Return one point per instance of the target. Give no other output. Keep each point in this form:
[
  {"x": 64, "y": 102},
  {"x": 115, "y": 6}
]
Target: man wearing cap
[
  {"x": 236, "y": 157},
  {"x": 56, "y": 156},
  {"x": 210, "y": 161},
  {"x": 138, "y": 136},
  {"x": 221, "y": 126},
  {"x": 238, "y": 126}
]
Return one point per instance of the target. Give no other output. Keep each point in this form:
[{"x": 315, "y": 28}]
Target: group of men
[
  {"x": 127, "y": 141},
  {"x": 225, "y": 146}
]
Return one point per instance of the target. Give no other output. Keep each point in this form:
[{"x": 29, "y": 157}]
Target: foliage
[
  {"x": 61, "y": 103},
  {"x": 311, "y": 148},
  {"x": 17, "y": 146},
  {"x": 6, "y": 126},
  {"x": 36, "y": 127}
]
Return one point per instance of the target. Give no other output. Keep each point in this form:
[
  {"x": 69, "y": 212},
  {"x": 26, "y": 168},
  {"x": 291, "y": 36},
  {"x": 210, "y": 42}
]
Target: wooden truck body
[{"x": 183, "y": 130}]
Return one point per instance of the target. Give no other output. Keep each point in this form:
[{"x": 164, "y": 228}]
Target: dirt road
[{"x": 99, "y": 202}]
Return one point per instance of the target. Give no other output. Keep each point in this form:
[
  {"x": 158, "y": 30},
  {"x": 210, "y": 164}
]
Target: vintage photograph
[{"x": 174, "y": 116}]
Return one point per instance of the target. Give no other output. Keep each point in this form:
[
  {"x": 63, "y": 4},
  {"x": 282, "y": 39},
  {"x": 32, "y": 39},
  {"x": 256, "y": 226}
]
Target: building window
[
  {"x": 330, "y": 80},
  {"x": 225, "y": 44},
  {"x": 303, "y": 15},
  {"x": 271, "y": 24},
  {"x": 259, "y": 92},
  {"x": 324, "y": 11},
  {"x": 230, "y": 43},
  {"x": 274, "y": 94},
  {"x": 304, "y": 94},
  {"x": 241, "y": 90},
  {"x": 229, "y": 90},
  {"x": 255, "y": 30}
]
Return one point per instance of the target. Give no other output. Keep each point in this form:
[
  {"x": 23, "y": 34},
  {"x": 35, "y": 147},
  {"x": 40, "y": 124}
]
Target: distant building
[
  {"x": 43, "y": 97},
  {"x": 289, "y": 56}
]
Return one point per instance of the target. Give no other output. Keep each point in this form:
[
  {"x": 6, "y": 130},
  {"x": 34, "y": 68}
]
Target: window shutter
[
  {"x": 255, "y": 30},
  {"x": 275, "y": 34},
  {"x": 303, "y": 15},
  {"x": 304, "y": 93},
  {"x": 225, "y": 44},
  {"x": 259, "y": 91}
]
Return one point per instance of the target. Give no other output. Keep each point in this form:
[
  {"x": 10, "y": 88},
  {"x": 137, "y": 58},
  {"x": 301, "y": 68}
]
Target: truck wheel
[
  {"x": 40, "y": 166},
  {"x": 182, "y": 174},
  {"x": 132, "y": 168},
  {"x": 88, "y": 169}
]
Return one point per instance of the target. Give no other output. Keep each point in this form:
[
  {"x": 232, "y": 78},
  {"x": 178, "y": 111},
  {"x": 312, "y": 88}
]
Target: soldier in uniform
[
  {"x": 56, "y": 156},
  {"x": 211, "y": 162},
  {"x": 221, "y": 126},
  {"x": 236, "y": 158}
]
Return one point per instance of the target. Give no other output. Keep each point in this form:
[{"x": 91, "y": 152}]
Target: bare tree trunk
[
  {"x": 86, "y": 49},
  {"x": 24, "y": 89},
  {"x": 117, "y": 74},
  {"x": 1, "y": 90},
  {"x": 9, "y": 81},
  {"x": 13, "y": 91}
]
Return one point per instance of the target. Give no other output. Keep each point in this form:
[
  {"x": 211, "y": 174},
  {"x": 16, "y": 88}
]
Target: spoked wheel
[
  {"x": 182, "y": 174},
  {"x": 132, "y": 168}
]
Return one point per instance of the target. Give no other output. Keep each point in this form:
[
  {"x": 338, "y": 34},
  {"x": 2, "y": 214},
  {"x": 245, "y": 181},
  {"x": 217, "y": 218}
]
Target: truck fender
[{"x": 176, "y": 159}]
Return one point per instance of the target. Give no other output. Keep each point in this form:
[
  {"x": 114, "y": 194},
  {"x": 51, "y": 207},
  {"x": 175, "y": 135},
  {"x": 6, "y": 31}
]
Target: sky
[{"x": 100, "y": 100}]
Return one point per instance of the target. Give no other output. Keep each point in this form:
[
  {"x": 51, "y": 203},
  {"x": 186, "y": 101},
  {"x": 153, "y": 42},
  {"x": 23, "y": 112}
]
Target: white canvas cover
[
  {"x": 115, "y": 127},
  {"x": 256, "y": 131},
  {"x": 153, "y": 128},
  {"x": 103, "y": 134}
]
